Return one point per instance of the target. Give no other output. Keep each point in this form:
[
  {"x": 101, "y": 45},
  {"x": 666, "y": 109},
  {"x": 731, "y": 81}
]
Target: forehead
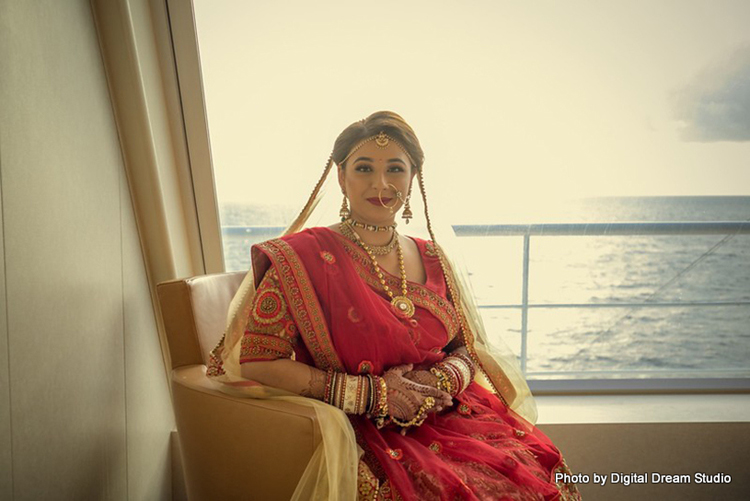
[{"x": 371, "y": 150}]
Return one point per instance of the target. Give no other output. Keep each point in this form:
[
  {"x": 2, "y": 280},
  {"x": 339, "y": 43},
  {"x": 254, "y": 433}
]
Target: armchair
[{"x": 232, "y": 448}]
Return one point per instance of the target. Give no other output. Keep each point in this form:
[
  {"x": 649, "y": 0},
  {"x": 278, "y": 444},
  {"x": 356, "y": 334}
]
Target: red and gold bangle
[
  {"x": 348, "y": 393},
  {"x": 468, "y": 361},
  {"x": 463, "y": 370},
  {"x": 450, "y": 377}
]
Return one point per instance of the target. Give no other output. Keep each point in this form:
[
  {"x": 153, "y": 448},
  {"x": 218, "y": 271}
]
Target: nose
[{"x": 380, "y": 182}]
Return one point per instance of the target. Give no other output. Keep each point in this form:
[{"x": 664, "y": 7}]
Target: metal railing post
[{"x": 525, "y": 302}]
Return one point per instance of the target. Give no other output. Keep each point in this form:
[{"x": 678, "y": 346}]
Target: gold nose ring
[{"x": 399, "y": 196}]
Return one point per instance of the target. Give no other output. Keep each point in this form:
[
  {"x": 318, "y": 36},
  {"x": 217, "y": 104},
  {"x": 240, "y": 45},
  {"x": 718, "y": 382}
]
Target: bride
[{"x": 377, "y": 332}]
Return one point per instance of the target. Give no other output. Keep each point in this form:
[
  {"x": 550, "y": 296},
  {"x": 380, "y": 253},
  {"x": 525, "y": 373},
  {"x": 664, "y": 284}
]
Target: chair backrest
[{"x": 194, "y": 311}]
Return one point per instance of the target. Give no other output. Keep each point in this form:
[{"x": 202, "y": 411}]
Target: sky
[{"x": 515, "y": 103}]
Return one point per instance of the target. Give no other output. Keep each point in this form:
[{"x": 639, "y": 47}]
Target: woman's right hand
[{"x": 405, "y": 397}]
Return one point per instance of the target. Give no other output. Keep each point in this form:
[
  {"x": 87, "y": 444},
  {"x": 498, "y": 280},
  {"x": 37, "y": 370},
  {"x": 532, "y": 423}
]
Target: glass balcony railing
[{"x": 652, "y": 306}]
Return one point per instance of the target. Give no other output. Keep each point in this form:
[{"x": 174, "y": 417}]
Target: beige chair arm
[{"x": 239, "y": 448}]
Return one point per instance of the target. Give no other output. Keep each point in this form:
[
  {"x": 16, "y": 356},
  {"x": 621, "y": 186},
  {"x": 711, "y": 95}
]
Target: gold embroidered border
[
  {"x": 303, "y": 303},
  {"x": 264, "y": 347}
]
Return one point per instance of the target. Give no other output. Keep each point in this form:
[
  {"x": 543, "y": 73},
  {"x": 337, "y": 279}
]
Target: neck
[{"x": 374, "y": 237}]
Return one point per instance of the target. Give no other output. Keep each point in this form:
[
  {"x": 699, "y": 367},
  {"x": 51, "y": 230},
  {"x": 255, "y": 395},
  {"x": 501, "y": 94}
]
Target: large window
[{"x": 551, "y": 112}]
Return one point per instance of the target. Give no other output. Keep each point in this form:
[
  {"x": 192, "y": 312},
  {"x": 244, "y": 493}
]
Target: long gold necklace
[{"x": 402, "y": 305}]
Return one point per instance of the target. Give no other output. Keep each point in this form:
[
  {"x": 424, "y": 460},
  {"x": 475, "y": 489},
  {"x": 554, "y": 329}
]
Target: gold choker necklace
[
  {"x": 370, "y": 227},
  {"x": 378, "y": 250},
  {"x": 402, "y": 305}
]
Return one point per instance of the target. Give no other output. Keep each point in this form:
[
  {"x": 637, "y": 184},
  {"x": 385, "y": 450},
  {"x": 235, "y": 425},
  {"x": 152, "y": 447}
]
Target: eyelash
[{"x": 360, "y": 168}]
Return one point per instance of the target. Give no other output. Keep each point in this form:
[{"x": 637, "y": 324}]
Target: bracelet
[
  {"x": 379, "y": 399},
  {"x": 428, "y": 404},
  {"x": 469, "y": 363},
  {"x": 443, "y": 384},
  {"x": 348, "y": 393},
  {"x": 455, "y": 373}
]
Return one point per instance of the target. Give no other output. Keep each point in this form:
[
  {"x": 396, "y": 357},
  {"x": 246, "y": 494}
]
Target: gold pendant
[{"x": 403, "y": 306}]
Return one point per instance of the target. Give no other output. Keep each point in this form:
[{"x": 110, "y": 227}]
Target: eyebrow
[{"x": 391, "y": 160}]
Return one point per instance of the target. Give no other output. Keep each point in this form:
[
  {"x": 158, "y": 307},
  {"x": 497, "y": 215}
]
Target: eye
[
  {"x": 396, "y": 168},
  {"x": 363, "y": 168}
]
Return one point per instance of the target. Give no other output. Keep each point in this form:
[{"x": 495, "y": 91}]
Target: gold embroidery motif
[
  {"x": 353, "y": 315},
  {"x": 364, "y": 367},
  {"x": 270, "y": 333},
  {"x": 328, "y": 257},
  {"x": 464, "y": 409},
  {"x": 269, "y": 306},
  {"x": 367, "y": 483},
  {"x": 568, "y": 490}
]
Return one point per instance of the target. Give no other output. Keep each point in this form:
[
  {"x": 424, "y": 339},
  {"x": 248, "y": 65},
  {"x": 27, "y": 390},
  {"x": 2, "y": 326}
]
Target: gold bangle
[
  {"x": 443, "y": 383},
  {"x": 380, "y": 410}
]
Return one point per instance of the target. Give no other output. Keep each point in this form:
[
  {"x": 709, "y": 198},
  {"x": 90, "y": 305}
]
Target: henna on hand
[
  {"x": 401, "y": 405},
  {"x": 316, "y": 386},
  {"x": 412, "y": 394},
  {"x": 422, "y": 377}
]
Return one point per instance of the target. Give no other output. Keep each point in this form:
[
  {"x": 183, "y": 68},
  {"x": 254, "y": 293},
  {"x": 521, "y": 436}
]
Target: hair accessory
[
  {"x": 382, "y": 140},
  {"x": 344, "y": 212}
]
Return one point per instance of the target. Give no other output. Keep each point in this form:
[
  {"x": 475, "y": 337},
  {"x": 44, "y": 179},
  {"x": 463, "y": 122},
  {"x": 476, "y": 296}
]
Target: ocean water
[{"x": 606, "y": 340}]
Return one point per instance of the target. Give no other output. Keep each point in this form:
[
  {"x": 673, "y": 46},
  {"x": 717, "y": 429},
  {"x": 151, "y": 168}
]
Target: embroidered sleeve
[{"x": 270, "y": 333}]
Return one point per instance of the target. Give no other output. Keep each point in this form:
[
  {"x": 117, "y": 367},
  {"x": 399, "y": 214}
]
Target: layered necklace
[
  {"x": 402, "y": 305},
  {"x": 377, "y": 250}
]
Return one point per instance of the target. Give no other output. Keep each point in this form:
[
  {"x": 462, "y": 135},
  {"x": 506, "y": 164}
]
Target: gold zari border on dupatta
[{"x": 303, "y": 303}]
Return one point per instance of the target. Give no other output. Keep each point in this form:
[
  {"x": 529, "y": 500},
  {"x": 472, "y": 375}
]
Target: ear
[{"x": 411, "y": 181}]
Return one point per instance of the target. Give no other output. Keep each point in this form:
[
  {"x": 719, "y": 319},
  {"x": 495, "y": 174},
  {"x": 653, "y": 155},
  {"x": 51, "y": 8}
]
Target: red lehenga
[{"x": 320, "y": 302}]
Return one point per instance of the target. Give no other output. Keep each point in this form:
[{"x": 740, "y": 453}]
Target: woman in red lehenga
[{"x": 379, "y": 326}]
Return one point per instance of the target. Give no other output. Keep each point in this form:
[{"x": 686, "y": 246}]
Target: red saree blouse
[{"x": 319, "y": 301}]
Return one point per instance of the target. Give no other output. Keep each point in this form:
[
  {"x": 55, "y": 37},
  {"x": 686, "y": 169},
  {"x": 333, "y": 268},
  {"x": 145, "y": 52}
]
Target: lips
[{"x": 376, "y": 200}]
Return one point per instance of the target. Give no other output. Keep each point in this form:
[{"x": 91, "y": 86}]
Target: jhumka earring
[
  {"x": 344, "y": 212},
  {"x": 407, "y": 214}
]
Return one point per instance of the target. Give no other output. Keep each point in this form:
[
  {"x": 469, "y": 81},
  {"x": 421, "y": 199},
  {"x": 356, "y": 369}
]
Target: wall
[
  {"x": 666, "y": 448},
  {"x": 85, "y": 411}
]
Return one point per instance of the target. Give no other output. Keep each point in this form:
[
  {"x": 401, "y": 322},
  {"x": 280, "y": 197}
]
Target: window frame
[{"x": 188, "y": 69}]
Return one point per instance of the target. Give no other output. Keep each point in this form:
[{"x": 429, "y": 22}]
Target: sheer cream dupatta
[{"x": 331, "y": 473}]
